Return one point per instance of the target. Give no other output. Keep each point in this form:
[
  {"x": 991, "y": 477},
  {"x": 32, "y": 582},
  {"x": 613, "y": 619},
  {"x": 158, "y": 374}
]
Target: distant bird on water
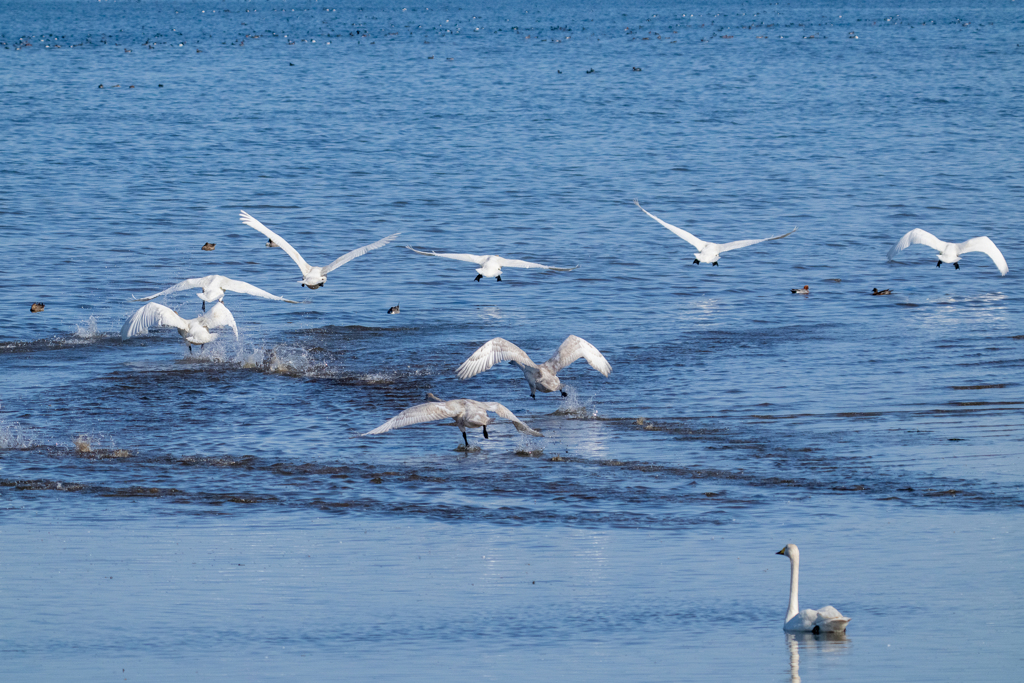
[
  {"x": 876, "y": 292},
  {"x": 209, "y": 246},
  {"x": 490, "y": 266},
  {"x": 805, "y": 290},
  {"x": 709, "y": 251},
  {"x": 949, "y": 252},
  {"x": 394, "y": 310},
  {"x": 313, "y": 277},
  {"x": 214, "y": 288},
  {"x": 194, "y": 331},
  {"x": 543, "y": 377},
  {"x": 272, "y": 244},
  {"x": 37, "y": 307},
  {"x": 466, "y": 412}
]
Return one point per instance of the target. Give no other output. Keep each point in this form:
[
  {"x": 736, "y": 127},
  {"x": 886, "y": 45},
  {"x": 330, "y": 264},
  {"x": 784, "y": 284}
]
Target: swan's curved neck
[{"x": 794, "y": 580}]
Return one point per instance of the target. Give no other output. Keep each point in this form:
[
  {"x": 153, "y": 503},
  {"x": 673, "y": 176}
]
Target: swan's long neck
[{"x": 794, "y": 580}]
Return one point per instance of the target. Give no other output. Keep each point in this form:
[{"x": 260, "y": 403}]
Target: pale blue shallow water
[{"x": 225, "y": 516}]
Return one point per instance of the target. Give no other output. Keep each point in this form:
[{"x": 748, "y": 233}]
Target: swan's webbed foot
[
  {"x": 564, "y": 394},
  {"x": 498, "y": 278},
  {"x": 478, "y": 277},
  {"x": 816, "y": 630},
  {"x": 696, "y": 261},
  {"x": 465, "y": 439},
  {"x": 957, "y": 266},
  {"x": 939, "y": 264},
  {"x": 715, "y": 263},
  {"x": 533, "y": 396},
  {"x": 485, "y": 432}
]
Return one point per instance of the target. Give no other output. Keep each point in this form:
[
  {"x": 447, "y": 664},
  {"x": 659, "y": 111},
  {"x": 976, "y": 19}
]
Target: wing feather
[
  {"x": 219, "y": 316},
  {"x": 280, "y": 241},
  {"x": 516, "y": 263},
  {"x": 494, "y": 351},
  {"x": 424, "y": 412},
  {"x": 502, "y": 411},
  {"x": 342, "y": 260},
  {"x": 739, "y": 244},
  {"x": 916, "y": 236},
  {"x": 697, "y": 243},
  {"x": 191, "y": 283},
  {"x": 151, "y": 315},
  {"x": 574, "y": 348},
  {"x": 472, "y": 258},
  {"x": 986, "y": 246},
  {"x": 245, "y": 288}
]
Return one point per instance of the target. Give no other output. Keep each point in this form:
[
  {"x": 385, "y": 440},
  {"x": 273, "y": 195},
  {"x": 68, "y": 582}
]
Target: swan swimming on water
[
  {"x": 194, "y": 331},
  {"x": 312, "y": 276},
  {"x": 709, "y": 251},
  {"x": 467, "y": 413},
  {"x": 543, "y": 377},
  {"x": 949, "y": 252},
  {"x": 214, "y": 287},
  {"x": 490, "y": 266},
  {"x": 824, "y": 620}
]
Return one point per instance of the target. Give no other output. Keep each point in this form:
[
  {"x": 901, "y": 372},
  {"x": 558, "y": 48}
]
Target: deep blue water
[{"x": 167, "y": 512}]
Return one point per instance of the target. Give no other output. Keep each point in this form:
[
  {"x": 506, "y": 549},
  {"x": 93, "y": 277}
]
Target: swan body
[
  {"x": 194, "y": 331},
  {"x": 214, "y": 287},
  {"x": 467, "y": 413},
  {"x": 709, "y": 251},
  {"x": 313, "y": 277},
  {"x": 543, "y": 377},
  {"x": 950, "y": 252},
  {"x": 824, "y": 620},
  {"x": 490, "y": 266}
]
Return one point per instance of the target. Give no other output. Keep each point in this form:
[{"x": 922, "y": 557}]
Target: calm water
[{"x": 166, "y": 513}]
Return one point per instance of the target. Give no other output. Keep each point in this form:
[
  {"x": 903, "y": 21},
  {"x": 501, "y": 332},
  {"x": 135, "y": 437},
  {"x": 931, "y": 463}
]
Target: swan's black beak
[{"x": 781, "y": 552}]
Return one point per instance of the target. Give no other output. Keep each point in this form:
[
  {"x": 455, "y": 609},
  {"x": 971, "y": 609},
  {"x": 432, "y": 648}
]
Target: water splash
[
  {"x": 14, "y": 436},
  {"x": 87, "y": 329},
  {"x": 576, "y": 407}
]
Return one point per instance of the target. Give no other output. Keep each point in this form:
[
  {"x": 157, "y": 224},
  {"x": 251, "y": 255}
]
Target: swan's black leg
[
  {"x": 190, "y": 349},
  {"x": 485, "y": 432},
  {"x": 957, "y": 266},
  {"x": 696, "y": 261},
  {"x": 499, "y": 278},
  {"x": 465, "y": 439},
  {"x": 564, "y": 394},
  {"x": 939, "y": 264},
  {"x": 715, "y": 263},
  {"x": 816, "y": 630},
  {"x": 533, "y": 396},
  {"x": 204, "y": 306},
  {"x": 478, "y": 277}
]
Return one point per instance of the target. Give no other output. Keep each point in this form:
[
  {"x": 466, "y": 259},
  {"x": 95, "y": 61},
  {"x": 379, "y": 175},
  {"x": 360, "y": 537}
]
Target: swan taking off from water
[
  {"x": 490, "y": 266},
  {"x": 543, "y": 377},
  {"x": 194, "y": 331},
  {"x": 467, "y": 413},
  {"x": 312, "y": 276},
  {"x": 950, "y": 252},
  {"x": 824, "y": 620},
  {"x": 709, "y": 251},
  {"x": 214, "y": 287}
]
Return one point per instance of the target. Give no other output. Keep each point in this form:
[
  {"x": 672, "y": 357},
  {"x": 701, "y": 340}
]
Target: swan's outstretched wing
[
  {"x": 739, "y": 244},
  {"x": 574, "y": 348},
  {"x": 516, "y": 263},
  {"x": 697, "y": 243},
  {"x": 191, "y": 283},
  {"x": 245, "y": 288},
  {"x": 917, "y": 236},
  {"x": 494, "y": 351},
  {"x": 151, "y": 315},
  {"x": 424, "y": 412},
  {"x": 987, "y": 246},
  {"x": 218, "y": 316},
  {"x": 278, "y": 240},
  {"x": 342, "y": 260},
  {"x": 472, "y": 258},
  {"x": 502, "y": 411}
]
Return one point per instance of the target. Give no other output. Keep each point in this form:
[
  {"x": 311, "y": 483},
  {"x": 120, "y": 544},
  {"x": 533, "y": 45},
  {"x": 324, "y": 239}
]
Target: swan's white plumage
[
  {"x": 491, "y": 265},
  {"x": 214, "y": 287},
  {"x": 466, "y": 412},
  {"x": 312, "y": 276},
  {"x": 950, "y": 252},
  {"x": 544, "y": 376},
  {"x": 824, "y": 620},
  {"x": 708, "y": 252},
  {"x": 194, "y": 330}
]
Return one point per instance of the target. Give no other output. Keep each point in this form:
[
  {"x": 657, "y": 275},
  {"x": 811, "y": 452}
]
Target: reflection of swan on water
[
  {"x": 794, "y": 659},
  {"x": 812, "y": 642},
  {"x": 824, "y": 620}
]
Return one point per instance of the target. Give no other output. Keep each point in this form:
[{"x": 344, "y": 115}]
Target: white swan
[
  {"x": 824, "y": 620},
  {"x": 709, "y": 251},
  {"x": 490, "y": 266},
  {"x": 467, "y": 413},
  {"x": 194, "y": 331},
  {"x": 312, "y": 276},
  {"x": 543, "y": 377},
  {"x": 949, "y": 252},
  {"x": 214, "y": 287}
]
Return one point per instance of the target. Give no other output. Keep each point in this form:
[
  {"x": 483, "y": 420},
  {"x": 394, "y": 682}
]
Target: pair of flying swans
[
  {"x": 824, "y": 620},
  {"x": 709, "y": 251},
  {"x": 467, "y": 413},
  {"x": 313, "y": 277},
  {"x": 490, "y": 266},
  {"x": 214, "y": 287},
  {"x": 194, "y": 331},
  {"x": 543, "y": 377},
  {"x": 949, "y": 252}
]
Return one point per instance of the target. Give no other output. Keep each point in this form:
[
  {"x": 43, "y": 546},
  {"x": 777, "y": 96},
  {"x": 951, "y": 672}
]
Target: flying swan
[
  {"x": 709, "y": 251},
  {"x": 824, "y": 620},
  {"x": 543, "y": 377},
  {"x": 214, "y": 287},
  {"x": 467, "y": 413},
  {"x": 194, "y": 331},
  {"x": 312, "y": 276},
  {"x": 490, "y": 266},
  {"x": 949, "y": 252}
]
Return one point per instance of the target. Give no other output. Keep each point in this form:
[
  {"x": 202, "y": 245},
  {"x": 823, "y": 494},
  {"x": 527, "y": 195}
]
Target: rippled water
[{"x": 166, "y": 512}]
